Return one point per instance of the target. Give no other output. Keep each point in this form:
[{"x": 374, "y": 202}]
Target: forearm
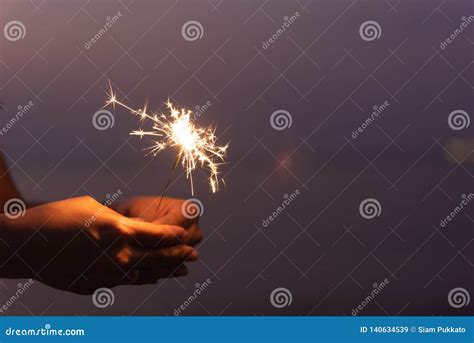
[
  {"x": 10, "y": 242},
  {"x": 13, "y": 232},
  {"x": 22, "y": 239}
]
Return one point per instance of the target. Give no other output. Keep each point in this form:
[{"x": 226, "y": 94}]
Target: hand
[
  {"x": 169, "y": 212},
  {"x": 80, "y": 245}
]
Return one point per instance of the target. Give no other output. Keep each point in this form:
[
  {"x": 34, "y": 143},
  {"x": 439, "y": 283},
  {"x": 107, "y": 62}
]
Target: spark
[{"x": 197, "y": 146}]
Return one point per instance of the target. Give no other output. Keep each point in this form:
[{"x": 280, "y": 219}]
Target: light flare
[{"x": 197, "y": 146}]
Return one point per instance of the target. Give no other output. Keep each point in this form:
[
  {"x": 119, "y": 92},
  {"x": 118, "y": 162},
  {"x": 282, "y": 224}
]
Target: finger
[
  {"x": 151, "y": 235},
  {"x": 194, "y": 234},
  {"x": 164, "y": 257},
  {"x": 176, "y": 218},
  {"x": 152, "y": 276}
]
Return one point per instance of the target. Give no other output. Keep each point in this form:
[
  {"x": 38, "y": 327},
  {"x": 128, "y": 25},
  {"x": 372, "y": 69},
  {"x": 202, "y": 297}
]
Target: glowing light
[{"x": 197, "y": 147}]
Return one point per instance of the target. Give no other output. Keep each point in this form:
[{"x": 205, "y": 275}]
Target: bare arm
[{"x": 79, "y": 245}]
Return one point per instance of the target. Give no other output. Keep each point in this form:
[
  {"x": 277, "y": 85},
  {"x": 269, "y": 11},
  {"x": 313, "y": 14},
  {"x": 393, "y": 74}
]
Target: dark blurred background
[{"x": 328, "y": 76}]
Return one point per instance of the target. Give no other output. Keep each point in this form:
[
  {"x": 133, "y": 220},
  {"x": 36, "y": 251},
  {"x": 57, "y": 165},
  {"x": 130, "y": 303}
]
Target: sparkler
[{"x": 197, "y": 146}]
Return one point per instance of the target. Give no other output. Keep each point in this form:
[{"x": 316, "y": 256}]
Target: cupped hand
[
  {"x": 169, "y": 212},
  {"x": 80, "y": 245}
]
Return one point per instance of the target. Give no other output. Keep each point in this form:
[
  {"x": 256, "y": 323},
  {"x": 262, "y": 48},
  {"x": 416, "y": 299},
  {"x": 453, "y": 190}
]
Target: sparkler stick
[
  {"x": 196, "y": 146},
  {"x": 175, "y": 164}
]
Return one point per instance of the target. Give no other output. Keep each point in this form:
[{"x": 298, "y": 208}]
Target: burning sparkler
[{"x": 196, "y": 146}]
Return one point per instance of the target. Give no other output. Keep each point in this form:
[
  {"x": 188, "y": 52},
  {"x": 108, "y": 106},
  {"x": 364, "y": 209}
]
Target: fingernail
[{"x": 193, "y": 256}]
